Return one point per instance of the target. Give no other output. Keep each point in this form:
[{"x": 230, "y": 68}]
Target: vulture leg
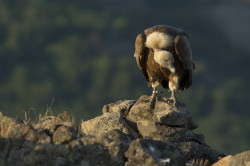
[
  {"x": 172, "y": 100},
  {"x": 173, "y": 96},
  {"x": 153, "y": 98}
]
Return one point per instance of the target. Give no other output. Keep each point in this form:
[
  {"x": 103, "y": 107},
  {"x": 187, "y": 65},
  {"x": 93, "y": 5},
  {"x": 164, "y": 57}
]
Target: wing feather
[
  {"x": 183, "y": 51},
  {"x": 141, "y": 54},
  {"x": 184, "y": 54}
]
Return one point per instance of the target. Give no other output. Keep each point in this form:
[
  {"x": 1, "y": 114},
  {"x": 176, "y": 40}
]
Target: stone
[
  {"x": 7, "y": 125},
  {"x": 240, "y": 159},
  {"x": 50, "y": 123},
  {"x": 140, "y": 110},
  {"x": 63, "y": 135},
  {"x": 106, "y": 123},
  {"x": 149, "y": 129},
  {"x": 84, "y": 163},
  {"x": 172, "y": 116},
  {"x": 194, "y": 150},
  {"x": 12, "y": 128},
  {"x": 95, "y": 153},
  {"x": 225, "y": 161},
  {"x": 156, "y": 131},
  {"x": 22, "y": 131},
  {"x": 115, "y": 141},
  {"x": 153, "y": 153},
  {"x": 122, "y": 106},
  {"x": 163, "y": 113},
  {"x": 44, "y": 136}
]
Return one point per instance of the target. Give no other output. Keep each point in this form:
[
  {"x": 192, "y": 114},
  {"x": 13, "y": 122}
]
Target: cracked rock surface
[{"x": 127, "y": 133}]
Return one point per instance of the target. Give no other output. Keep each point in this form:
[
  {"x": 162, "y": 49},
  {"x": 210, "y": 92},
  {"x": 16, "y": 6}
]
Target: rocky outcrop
[
  {"x": 127, "y": 133},
  {"x": 168, "y": 125},
  {"x": 58, "y": 143},
  {"x": 241, "y": 159}
]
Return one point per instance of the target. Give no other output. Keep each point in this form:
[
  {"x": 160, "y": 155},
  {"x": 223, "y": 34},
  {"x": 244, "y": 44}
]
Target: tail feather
[{"x": 186, "y": 80}]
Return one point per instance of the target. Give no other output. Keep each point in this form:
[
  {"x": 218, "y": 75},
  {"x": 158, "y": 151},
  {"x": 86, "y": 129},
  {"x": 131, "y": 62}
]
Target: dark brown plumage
[{"x": 164, "y": 56}]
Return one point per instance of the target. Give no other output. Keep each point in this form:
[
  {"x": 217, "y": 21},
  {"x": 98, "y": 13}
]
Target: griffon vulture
[{"x": 164, "y": 56}]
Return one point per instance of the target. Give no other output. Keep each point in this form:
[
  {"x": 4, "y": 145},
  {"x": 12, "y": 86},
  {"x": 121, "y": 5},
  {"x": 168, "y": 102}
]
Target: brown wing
[
  {"x": 141, "y": 54},
  {"x": 184, "y": 54}
]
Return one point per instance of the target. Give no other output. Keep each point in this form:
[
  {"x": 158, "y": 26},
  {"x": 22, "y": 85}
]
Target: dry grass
[{"x": 30, "y": 117}]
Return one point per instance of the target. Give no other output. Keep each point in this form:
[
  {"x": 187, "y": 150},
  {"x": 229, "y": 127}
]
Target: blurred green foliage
[{"x": 78, "y": 56}]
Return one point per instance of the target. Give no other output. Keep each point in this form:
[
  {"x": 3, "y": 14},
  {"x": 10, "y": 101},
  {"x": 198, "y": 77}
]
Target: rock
[
  {"x": 225, "y": 161},
  {"x": 61, "y": 161},
  {"x": 194, "y": 150},
  {"x": 8, "y": 125},
  {"x": 116, "y": 142},
  {"x": 96, "y": 154},
  {"x": 84, "y": 163},
  {"x": 128, "y": 133},
  {"x": 44, "y": 136},
  {"x": 165, "y": 123},
  {"x": 240, "y": 159},
  {"x": 153, "y": 153},
  {"x": 140, "y": 110},
  {"x": 22, "y": 131},
  {"x": 24, "y": 149},
  {"x": 162, "y": 114},
  {"x": 149, "y": 129},
  {"x": 12, "y": 128},
  {"x": 122, "y": 106},
  {"x": 173, "y": 116},
  {"x": 113, "y": 118},
  {"x": 156, "y": 131},
  {"x": 30, "y": 153},
  {"x": 63, "y": 135},
  {"x": 50, "y": 123}
]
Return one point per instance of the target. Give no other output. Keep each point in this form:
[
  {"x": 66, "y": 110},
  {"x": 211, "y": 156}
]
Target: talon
[{"x": 172, "y": 100}]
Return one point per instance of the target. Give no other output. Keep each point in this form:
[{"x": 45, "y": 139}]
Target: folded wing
[
  {"x": 141, "y": 54},
  {"x": 184, "y": 54}
]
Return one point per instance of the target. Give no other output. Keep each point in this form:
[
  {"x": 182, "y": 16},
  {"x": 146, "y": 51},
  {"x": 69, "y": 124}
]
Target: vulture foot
[{"x": 172, "y": 101}]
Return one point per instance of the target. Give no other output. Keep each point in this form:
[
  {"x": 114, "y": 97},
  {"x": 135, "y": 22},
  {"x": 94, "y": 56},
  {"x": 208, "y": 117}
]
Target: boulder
[
  {"x": 173, "y": 116},
  {"x": 113, "y": 118},
  {"x": 63, "y": 135},
  {"x": 122, "y": 106},
  {"x": 240, "y": 159},
  {"x": 167, "y": 123},
  {"x": 153, "y": 153},
  {"x": 140, "y": 111},
  {"x": 115, "y": 143}
]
